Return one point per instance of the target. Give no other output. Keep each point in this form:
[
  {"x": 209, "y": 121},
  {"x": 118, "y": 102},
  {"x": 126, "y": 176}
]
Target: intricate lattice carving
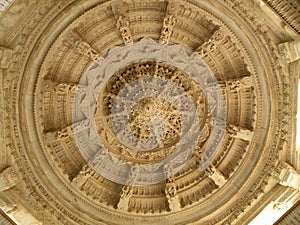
[{"x": 145, "y": 112}]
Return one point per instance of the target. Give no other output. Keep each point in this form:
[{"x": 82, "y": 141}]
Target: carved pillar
[
  {"x": 64, "y": 150},
  {"x": 290, "y": 51},
  {"x": 120, "y": 10},
  {"x": 238, "y": 132},
  {"x": 169, "y": 22},
  {"x": 170, "y": 189},
  {"x": 287, "y": 176},
  {"x": 5, "y": 58},
  {"x": 215, "y": 175},
  {"x": 127, "y": 189},
  {"x": 82, "y": 47},
  {"x": 8, "y": 179},
  {"x": 211, "y": 44}
]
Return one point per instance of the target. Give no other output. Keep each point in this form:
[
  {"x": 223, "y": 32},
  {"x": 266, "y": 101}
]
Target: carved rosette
[{"x": 149, "y": 114}]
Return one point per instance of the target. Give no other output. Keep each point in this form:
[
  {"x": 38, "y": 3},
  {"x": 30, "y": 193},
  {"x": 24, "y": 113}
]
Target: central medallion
[
  {"x": 155, "y": 116},
  {"x": 150, "y": 126}
]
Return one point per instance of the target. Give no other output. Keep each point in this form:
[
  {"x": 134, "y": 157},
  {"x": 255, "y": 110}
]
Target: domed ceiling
[{"x": 146, "y": 112}]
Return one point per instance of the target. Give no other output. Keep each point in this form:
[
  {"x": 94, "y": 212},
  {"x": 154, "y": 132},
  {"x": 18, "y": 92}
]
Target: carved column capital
[
  {"x": 169, "y": 173},
  {"x": 79, "y": 126}
]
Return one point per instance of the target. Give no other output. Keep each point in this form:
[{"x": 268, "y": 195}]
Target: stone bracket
[
  {"x": 239, "y": 132},
  {"x": 83, "y": 47},
  {"x": 238, "y": 84},
  {"x": 215, "y": 175},
  {"x": 211, "y": 44},
  {"x": 62, "y": 88},
  {"x": 61, "y": 134}
]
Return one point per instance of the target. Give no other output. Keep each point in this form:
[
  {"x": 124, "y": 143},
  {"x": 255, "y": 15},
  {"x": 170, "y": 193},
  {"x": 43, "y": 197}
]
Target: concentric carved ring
[
  {"x": 86, "y": 174},
  {"x": 149, "y": 72}
]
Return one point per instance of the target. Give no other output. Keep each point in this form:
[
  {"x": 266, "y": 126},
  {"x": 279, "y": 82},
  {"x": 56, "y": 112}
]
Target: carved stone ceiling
[{"x": 143, "y": 112}]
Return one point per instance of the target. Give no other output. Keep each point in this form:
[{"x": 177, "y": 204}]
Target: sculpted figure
[
  {"x": 240, "y": 133},
  {"x": 168, "y": 23}
]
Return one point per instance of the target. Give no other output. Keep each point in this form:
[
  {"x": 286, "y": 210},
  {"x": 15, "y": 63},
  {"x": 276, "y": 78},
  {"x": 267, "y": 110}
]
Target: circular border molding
[{"x": 38, "y": 169}]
